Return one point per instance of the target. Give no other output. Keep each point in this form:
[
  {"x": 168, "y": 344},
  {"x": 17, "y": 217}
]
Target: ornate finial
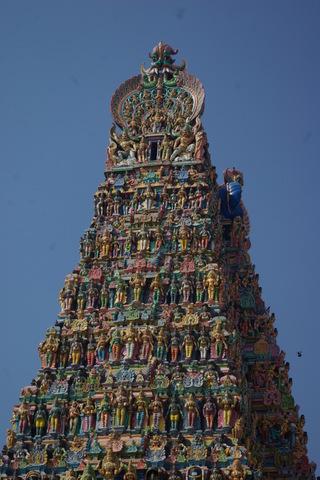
[{"x": 162, "y": 61}]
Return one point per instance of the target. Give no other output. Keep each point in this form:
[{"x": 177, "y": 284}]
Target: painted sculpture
[{"x": 163, "y": 361}]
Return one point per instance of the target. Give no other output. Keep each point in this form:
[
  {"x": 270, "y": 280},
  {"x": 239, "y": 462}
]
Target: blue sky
[{"x": 60, "y": 63}]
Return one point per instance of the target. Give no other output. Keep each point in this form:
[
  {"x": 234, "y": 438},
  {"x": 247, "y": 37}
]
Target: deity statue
[
  {"x": 184, "y": 235},
  {"x": 162, "y": 344},
  {"x": 63, "y": 353},
  {"x": 237, "y": 472},
  {"x": 203, "y": 344},
  {"x": 24, "y": 417},
  {"x": 158, "y": 235},
  {"x": 146, "y": 340},
  {"x": 121, "y": 401},
  {"x": 91, "y": 351},
  {"x": 211, "y": 281},
  {"x": 148, "y": 197},
  {"x": 137, "y": 281},
  {"x": 48, "y": 350},
  {"x": 76, "y": 350},
  {"x": 93, "y": 294},
  {"x": 40, "y": 419},
  {"x": 199, "y": 288},
  {"x": 211, "y": 375},
  {"x": 130, "y": 338},
  {"x": 104, "y": 294},
  {"x": 192, "y": 410},
  {"x": 186, "y": 288},
  {"x": 101, "y": 348},
  {"x": 141, "y": 406},
  {"x": 143, "y": 240},
  {"x": 81, "y": 297},
  {"x": 135, "y": 201},
  {"x": 218, "y": 342},
  {"x": 74, "y": 417},
  {"x": 54, "y": 417},
  {"x": 121, "y": 291},
  {"x": 127, "y": 146},
  {"x": 156, "y": 287},
  {"x": 116, "y": 343},
  {"x": 104, "y": 411},
  {"x": 111, "y": 467},
  {"x": 174, "y": 345},
  {"x": 142, "y": 150},
  {"x": 182, "y": 197},
  {"x": 174, "y": 289},
  {"x": 189, "y": 342},
  {"x": 209, "y": 411},
  {"x": 89, "y": 411},
  {"x": 205, "y": 236},
  {"x": 174, "y": 413},
  {"x": 201, "y": 144},
  {"x": 165, "y": 148},
  {"x": 156, "y": 408},
  {"x": 178, "y": 315},
  {"x": 184, "y": 143},
  {"x": 158, "y": 119},
  {"x": 117, "y": 202},
  {"x": 11, "y": 439},
  {"x": 227, "y": 404},
  {"x": 67, "y": 294},
  {"x": 164, "y": 197}
]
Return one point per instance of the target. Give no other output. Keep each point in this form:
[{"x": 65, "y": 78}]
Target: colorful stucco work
[{"x": 163, "y": 362}]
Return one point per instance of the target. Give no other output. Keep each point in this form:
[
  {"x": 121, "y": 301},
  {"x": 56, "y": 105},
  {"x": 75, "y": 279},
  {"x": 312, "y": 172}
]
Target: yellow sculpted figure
[
  {"x": 211, "y": 281},
  {"x": 111, "y": 466},
  {"x": 137, "y": 282}
]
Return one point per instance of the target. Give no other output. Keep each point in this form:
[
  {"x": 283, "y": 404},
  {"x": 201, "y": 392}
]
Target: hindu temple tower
[{"x": 163, "y": 362}]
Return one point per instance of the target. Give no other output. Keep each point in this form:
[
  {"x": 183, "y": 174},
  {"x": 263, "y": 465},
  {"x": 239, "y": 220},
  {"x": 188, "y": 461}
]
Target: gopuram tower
[{"x": 163, "y": 362}]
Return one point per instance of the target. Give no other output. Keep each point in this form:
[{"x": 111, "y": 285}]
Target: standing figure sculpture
[
  {"x": 104, "y": 411},
  {"x": 156, "y": 287},
  {"x": 116, "y": 343},
  {"x": 89, "y": 411},
  {"x": 121, "y": 401},
  {"x": 146, "y": 340},
  {"x": 218, "y": 342},
  {"x": 156, "y": 407},
  {"x": 209, "y": 411},
  {"x": 192, "y": 410},
  {"x": 203, "y": 344},
  {"x": 74, "y": 417},
  {"x": 40, "y": 419},
  {"x": 137, "y": 282},
  {"x": 174, "y": 413},
  {"x": 141, "y": 406},
  {"x": 23, "y": 416},
  {"x": 211, "y": 281},
  {"x": 130, "y": 339},
  {"x": 162, "y": 344},
  {"x": 111, "y": 467},
  {"x": 174, "y": 345},
  {"x": 189, "y": 342},
  {"x": 76, "y": 350}
]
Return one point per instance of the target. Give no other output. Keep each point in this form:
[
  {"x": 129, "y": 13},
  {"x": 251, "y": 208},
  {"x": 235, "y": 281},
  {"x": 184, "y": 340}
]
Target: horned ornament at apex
[{"x": 163, "y": 362}]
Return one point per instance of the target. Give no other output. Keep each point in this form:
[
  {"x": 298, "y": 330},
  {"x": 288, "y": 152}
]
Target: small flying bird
[{"x": 299, "y": 353}]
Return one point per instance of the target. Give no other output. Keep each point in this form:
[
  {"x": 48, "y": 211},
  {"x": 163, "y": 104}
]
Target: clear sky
[{"x": 60, "y": 62}]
